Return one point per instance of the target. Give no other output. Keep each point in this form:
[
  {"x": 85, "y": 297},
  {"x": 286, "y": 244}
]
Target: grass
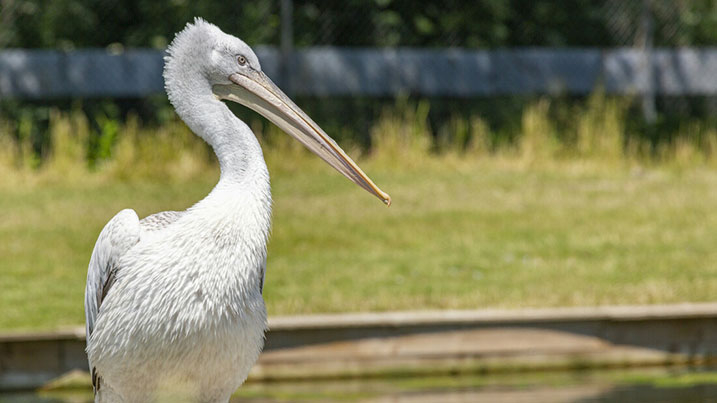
[
  {"x": 486, "y": 235},
  {"x": 534, "y": 224}
]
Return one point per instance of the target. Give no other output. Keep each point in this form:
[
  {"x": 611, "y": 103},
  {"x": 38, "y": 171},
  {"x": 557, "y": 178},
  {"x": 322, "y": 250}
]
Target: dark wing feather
[{"x": 263, "y": 276}]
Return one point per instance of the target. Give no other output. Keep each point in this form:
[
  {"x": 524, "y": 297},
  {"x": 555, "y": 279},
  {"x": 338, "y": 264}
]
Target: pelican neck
[{"x": 236, "y": 147}]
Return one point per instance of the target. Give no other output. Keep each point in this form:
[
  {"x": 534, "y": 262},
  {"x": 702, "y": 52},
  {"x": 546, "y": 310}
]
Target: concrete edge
[
  {"x": 491, "y": 316},
  {"x": 443, "y": 317},
  {"x": 62, "y": 334}
]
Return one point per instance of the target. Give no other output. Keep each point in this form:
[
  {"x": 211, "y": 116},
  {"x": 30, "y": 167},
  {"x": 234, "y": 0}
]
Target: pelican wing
[{"x": 116, "y": 238}]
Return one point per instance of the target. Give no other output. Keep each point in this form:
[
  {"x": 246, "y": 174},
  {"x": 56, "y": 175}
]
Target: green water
[{"x": 654, "y": 385}]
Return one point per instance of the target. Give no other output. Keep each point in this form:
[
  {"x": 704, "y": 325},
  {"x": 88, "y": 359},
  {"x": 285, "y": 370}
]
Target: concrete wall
[{"x": 355, "y": 345}]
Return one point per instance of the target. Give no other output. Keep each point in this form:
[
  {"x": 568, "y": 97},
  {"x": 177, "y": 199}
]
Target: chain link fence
[
  {"x": 379, "y": 23},
  {"x": 491, "y": 24},
  {"x": 294, "y": 26},
  {"x": 641, "y": 24}
]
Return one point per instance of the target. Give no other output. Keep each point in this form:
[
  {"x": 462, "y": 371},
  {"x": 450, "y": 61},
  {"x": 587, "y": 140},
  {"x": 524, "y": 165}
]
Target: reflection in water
[{"x": 605, "y": 386}]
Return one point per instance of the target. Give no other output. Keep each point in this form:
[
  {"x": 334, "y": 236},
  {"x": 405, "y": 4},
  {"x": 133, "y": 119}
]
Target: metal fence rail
[{"x": 44, "y": 74}]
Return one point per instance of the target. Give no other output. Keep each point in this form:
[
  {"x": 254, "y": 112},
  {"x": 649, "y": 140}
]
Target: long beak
[{"x": 256, "y": 91}]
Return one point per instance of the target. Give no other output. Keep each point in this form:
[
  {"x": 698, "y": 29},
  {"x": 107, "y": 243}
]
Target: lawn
[{"x": 489, "y": 232}]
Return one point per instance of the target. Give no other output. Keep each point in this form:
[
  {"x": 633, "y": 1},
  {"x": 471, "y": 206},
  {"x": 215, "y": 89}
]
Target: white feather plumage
[{"x": 184, "y": 315}]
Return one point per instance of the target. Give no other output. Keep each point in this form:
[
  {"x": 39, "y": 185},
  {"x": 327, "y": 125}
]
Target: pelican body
[{"x": 173, "y": 302}]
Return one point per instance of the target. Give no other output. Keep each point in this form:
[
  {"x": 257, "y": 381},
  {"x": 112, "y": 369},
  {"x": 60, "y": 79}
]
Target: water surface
[{"x": 645, "y": 385}]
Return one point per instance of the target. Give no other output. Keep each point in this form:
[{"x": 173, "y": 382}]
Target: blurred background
[{"x": 539, "y": 154}]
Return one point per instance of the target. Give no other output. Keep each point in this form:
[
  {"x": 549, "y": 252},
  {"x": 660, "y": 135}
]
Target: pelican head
[{"x": 234, "y": 74}]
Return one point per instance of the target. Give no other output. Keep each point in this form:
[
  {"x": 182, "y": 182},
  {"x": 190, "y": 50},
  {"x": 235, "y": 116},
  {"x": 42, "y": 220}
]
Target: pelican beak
[{"x": 255, "y": 90}]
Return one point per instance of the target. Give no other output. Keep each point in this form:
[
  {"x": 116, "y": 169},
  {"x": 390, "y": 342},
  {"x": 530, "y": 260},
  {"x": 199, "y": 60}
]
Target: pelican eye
[{"x": 241, "y": 60}]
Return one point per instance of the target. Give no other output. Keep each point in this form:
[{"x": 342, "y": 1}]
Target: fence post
[
  {"x": 646, "y": 45},
  {"x": 287, "y": 46}
]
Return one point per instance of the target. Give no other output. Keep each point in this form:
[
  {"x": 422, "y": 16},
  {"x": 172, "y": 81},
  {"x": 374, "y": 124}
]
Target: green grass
[
  {"x": 489, "y": 236},
  {"x": 537, "y": 223},
  {"x": 461, "y": 234}
]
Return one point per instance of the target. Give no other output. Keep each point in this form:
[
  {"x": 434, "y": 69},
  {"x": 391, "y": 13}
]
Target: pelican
[{"x": 173, "y": 302}]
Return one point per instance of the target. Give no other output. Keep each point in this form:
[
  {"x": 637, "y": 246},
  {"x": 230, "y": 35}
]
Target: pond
[{"x": 641, "y": 385}]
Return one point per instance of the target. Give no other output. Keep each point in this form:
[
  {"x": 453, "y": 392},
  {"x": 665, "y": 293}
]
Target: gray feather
[{"x": 160, "y": 220}]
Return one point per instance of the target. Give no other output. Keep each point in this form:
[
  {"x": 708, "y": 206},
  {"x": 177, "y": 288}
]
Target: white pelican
[{"x": 173, "y": 302}]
